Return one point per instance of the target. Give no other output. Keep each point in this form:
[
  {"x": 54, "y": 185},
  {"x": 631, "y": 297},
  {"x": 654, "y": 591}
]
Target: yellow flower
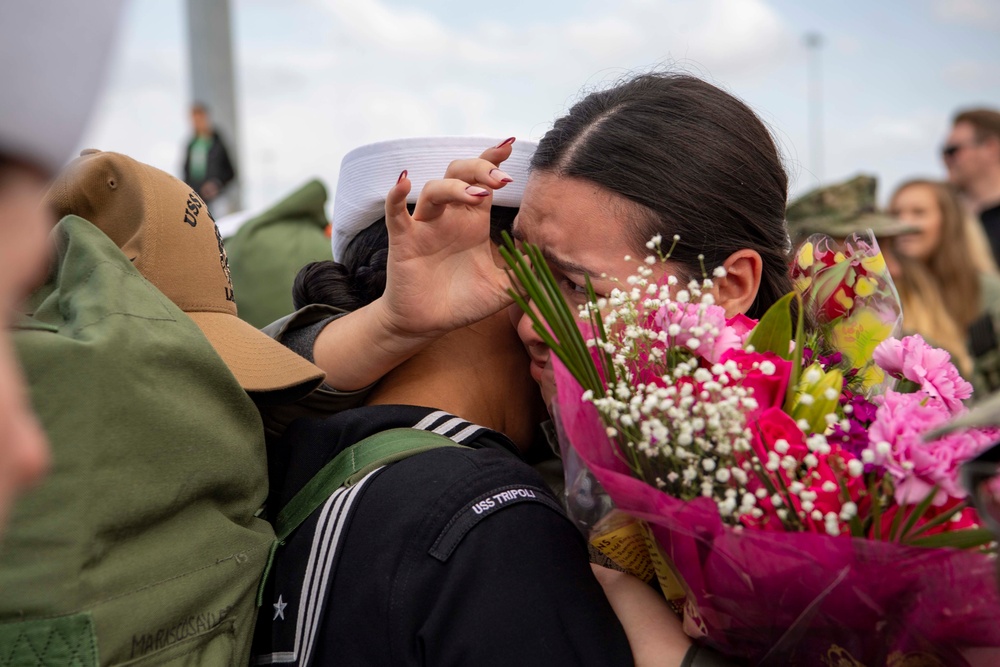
[
  {"x": 857, "y": 337},
  {"x": 865, "y": 286},
  {"x": 805, "y": 257},
  {"x": 839, "y": 257},
  {"x": 874, "y": 264},
  {"x": 840, "y": 296}
]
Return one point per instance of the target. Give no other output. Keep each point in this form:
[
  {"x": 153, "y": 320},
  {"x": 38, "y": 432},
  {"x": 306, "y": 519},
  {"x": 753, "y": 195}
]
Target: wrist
[{"x": 392, "y": 333}]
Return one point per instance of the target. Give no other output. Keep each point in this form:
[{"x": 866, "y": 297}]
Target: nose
[{"x": 529, "y": 337}]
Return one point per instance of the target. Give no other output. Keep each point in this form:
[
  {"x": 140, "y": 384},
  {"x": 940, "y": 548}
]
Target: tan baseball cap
[{"x": 165, "y": 229}]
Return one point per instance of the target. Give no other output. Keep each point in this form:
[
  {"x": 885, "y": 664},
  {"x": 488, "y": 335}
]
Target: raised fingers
[
  {"x": 437, "y": 195},
  {"x": 396, "y": 215},
  {"x": 477, "y": 171},
  {"x": 499, "y": 153},
  {"x": 484, "y": 170}
]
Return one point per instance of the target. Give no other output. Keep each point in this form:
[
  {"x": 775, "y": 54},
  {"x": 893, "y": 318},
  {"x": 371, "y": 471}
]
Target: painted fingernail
[
  {"x": 505, "y": 142},
  {"x": 401, "y": 177},
  {"x": 501, "y": 176},
  {"x": 476, "y": 191}
]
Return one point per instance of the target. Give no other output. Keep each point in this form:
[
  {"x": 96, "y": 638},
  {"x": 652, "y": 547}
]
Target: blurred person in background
[
  {"x": 972, "y": 156},
  {"x": 51, "y": 86},
  {"x": 207, "y": 167},
  {"x": 949, "y": 247},
  {"x": 924, "y": 305}
]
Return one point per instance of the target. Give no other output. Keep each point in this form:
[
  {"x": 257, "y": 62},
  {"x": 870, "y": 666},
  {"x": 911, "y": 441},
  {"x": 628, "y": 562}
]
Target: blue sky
[{"x": 319, "y": 77}]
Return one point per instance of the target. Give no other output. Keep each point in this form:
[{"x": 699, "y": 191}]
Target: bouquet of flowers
[{"x": 774, "y": 477}]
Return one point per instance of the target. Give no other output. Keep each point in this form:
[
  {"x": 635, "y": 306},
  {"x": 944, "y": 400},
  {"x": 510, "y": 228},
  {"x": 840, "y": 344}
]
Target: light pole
[
  {"x": 210, "y": 54},
  {"x": 814, "y": 41}
]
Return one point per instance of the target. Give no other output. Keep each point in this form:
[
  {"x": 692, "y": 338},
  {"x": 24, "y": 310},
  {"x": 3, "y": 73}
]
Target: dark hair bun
[{"x": 355, "y": 282}]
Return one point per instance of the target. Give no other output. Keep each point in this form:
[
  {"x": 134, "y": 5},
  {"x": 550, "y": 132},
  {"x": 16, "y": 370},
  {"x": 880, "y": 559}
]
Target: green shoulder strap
[{"x": 346, "y": 469}]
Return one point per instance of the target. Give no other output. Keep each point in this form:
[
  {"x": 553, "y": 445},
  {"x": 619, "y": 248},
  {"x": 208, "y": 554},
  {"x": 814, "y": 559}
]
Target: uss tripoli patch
[{"x": 484, "y": 506}]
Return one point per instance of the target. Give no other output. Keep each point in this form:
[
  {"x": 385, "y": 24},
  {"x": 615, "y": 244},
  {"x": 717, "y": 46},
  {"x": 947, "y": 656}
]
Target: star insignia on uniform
[{"x": 279, "y": 609}]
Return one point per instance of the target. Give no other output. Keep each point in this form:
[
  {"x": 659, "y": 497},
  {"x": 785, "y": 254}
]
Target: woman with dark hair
[
  {"x": 457, "y": 555},
  {"x": 661, "y": 153}
]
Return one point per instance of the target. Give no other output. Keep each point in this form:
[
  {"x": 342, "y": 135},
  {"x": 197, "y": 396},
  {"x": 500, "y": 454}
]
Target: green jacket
[
  {"x": 267, "y": 252},
  {"x": 142, "y": 544}
]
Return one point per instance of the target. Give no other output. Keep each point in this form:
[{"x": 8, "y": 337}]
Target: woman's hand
[
  {"x": 654, "y": 632},
  {"x": 442, "y": 272},
  {"x": 441, "y": 275}
]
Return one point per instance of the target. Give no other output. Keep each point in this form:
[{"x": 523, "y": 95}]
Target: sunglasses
[
  {"x": 981, "y": 477},
  {"x": 951, "y": 150}
]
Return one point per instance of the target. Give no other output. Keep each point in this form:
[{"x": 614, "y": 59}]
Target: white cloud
[
  {"x": 387, "y": 70},
  {"x": 976, "y": 13},
  {"x": 896, "y": 147},
  {"x": 972, "y": 75}
]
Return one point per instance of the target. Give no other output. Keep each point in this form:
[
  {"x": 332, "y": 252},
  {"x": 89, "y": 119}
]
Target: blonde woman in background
[
  {"x": 952, "y": 249},
  {"x": 923, "y": 305},
  {"x": 950, "y": 245}
]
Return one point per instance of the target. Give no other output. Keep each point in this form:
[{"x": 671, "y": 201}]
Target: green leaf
[
  {"x": 918, "y": 512},
  {"x": 894, "y": 527},
  {"x": 553, "y": 313},
  {"x": 876, "y": 514},
  {"x": 906, "y": 386},
  {"x": 793, "y": 379},
  {"x": 938, "y": 520},
  {"x": 956, "y": 539},
  {"x": 774, "y": 331}
]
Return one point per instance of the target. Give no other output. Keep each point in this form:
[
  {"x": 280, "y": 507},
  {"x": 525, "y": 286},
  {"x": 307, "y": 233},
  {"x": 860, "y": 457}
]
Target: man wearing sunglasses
[{"x": 972, "y": 156}]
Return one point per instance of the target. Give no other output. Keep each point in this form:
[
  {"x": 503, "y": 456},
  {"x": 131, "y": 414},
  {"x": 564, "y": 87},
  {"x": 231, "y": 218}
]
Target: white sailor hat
[
  {"x": 369, "y": 172},
  {"x": 53, "y": 56}
]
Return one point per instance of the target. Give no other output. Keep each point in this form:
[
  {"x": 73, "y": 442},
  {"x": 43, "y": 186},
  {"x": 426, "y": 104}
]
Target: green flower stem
[
  {"x": 876, "y": 509},
  {"x": 935, "y": 522},
  {"x": 959, "y": 539},
  {"x": 917, "y": 513},
  {"x": 857, "y": 529}
]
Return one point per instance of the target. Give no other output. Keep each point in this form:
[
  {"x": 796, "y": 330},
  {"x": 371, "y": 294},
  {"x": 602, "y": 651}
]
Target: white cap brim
[
  {"x": 54, "y": 54},
  {"x": 368, "y": 173}
]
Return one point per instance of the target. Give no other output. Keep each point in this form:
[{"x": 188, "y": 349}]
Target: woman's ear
[{"x": 738, "y": 289}]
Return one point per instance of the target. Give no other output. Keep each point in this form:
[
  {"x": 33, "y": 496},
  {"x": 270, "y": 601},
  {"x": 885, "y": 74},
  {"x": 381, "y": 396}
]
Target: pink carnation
[
  {"x": 928, "y": 367},
  {"x": 741, "y": 326},
  {"x": 704, "y": 323},
  {"x": 901, "y": 420}
]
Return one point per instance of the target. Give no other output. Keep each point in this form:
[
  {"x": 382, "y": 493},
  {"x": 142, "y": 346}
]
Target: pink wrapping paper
[{"x": 774, "y": 598}]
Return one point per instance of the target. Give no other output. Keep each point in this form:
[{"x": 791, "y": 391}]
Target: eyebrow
[{"x": 563, "y": 265}]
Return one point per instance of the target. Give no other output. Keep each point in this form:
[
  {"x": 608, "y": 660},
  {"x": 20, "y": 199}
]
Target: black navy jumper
[{"x": 456, "y": 556}]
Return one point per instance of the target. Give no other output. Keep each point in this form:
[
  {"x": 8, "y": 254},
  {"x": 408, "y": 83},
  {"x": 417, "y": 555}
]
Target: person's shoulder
[
  {"x": 990, "y": 216},
  {"x": 989, "y": 286},
  {"x": 456, "y": 473},
  {"x": 451, "y": 490}
]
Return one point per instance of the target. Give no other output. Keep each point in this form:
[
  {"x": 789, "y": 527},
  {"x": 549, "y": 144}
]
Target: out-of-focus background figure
[
  {"x": 207, "y": 167},
  {"x": 949, "y": 248},
  {"x": 972, "y": 156}
]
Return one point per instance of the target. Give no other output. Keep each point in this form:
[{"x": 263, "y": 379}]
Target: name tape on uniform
[{"x": 486, "y": 505}]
